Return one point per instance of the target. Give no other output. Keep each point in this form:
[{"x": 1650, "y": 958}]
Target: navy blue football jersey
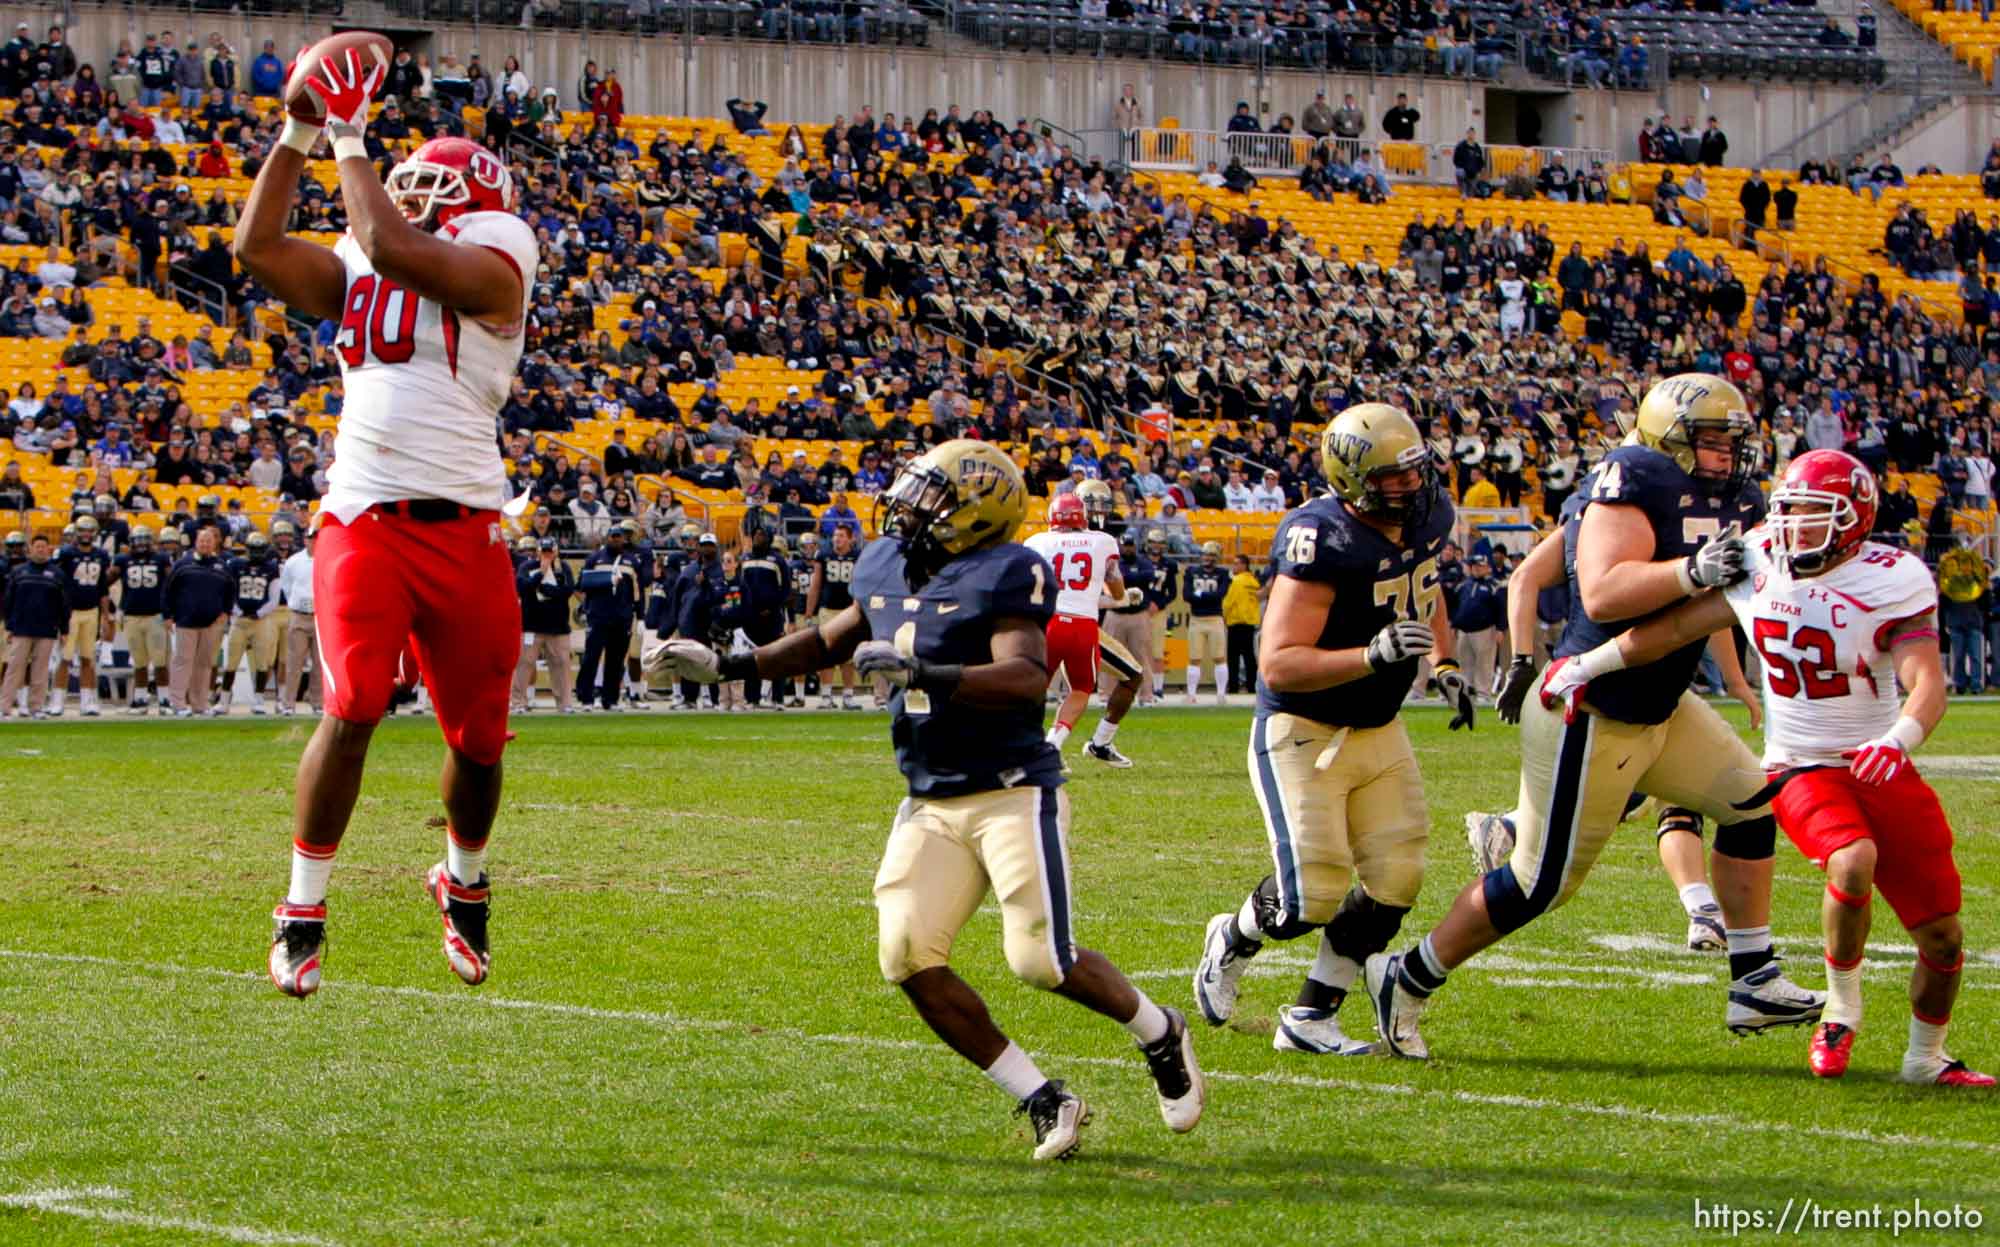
[
  {"x": 145, "y": 579},
  {"x": 1203, "y": 587},
  {"x": 1375, "y": 582},
  {"x": 253, "y": 580},
  {"x": 836, "y": 581},
  {"x": 86, "y": 575},
  {"x": 947, "y": 749},
  {"x": 1682, "y": 516}
]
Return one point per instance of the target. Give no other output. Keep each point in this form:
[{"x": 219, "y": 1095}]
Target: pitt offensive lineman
[
  {"x": 1354, "y": 604},
  {"x": 1839, "y": 620},
  {"x": 951, "y": 613},
  {"x": 1646, "y": 537}
]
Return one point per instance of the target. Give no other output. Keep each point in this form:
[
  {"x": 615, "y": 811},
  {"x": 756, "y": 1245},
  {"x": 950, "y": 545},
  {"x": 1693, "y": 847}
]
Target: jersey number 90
[{"x": 380, "y": 318}]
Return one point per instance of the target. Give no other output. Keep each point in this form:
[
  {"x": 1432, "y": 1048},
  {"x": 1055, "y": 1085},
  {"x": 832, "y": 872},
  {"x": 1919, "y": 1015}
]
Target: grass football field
[{"x": 685, "y": 1037}]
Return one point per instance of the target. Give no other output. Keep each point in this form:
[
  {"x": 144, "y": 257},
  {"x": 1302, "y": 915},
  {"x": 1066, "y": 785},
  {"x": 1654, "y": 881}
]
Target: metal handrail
[{"x": 216, "y": 305}]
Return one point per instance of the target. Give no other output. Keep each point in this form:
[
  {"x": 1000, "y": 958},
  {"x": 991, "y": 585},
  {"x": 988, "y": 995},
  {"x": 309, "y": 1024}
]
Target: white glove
[
  {"x": 1134, "y": 595},
  {"x": 1399, "y": 642},
  {"x": 1719, "y": 562},
  {"x": 873, "y": 658},
  {"x": 688, "y": 660}
]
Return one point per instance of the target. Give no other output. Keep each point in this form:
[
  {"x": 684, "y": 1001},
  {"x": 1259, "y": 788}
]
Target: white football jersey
[
  {"x": 1829, "y": 684},
  {"x": 1081, "y": 561},
  {"x": 424, "y": 383}
]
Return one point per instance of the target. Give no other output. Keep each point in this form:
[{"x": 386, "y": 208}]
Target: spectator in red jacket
[{"x": 608, "y": 100}]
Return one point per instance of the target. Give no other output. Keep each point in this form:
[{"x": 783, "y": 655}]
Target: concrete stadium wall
[
  {"x": 665, "y": 75},
  {"x": 1955, "y": 140}
]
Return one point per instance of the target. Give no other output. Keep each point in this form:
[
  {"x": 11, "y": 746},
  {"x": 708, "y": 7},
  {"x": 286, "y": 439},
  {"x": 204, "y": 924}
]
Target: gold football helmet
[
  {"x": 1366, "y": 443},
  {"x": 1677, "y": 408},
  {"x": 1096, "y": 497},
  {"x": 954, "y": 498}
]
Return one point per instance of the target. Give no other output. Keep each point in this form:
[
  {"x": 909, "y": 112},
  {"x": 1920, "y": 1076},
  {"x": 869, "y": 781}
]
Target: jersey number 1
[{"x": 380, "y": 318}]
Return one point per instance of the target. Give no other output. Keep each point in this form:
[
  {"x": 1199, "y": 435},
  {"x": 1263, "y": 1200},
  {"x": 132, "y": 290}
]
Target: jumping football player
[
  {"x": 1839, "y": 620},
  {"x": 1647, "y": 535},
  {"x": 430, "y": 286},
  {"x": 1355, "y": 604},
  {"x": 952, "y": 614}
]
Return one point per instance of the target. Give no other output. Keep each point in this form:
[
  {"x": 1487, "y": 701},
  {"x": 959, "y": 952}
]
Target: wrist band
[
  {"x": 299, "y": 135},
  {"x": 1603, "y": 660},
  {"x": 1685, "y": 571},
  {"x": 1908, "y": 733},
  {"x": 349, "y": 146},
  {"x": 939, "y": 679},
  {"x": 737, "y": 667}
]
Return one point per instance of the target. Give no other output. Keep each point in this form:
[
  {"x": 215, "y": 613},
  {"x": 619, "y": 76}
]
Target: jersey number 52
[
  {"x": 380, "y": 318},
  {"x": 1812, "y": 668}
]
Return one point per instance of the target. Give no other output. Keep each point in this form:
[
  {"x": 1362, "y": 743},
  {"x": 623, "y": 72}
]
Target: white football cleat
[
  {"x": 1396, "y": 1011},
  {"x": 1764, "y": 999},
  {"x": 1317, "y": 1031},
  {"x": 1107, "y": 754},
  {"x": 1177, "y": 1077},
  {"x": 1215, "y": 978},
  {"x": 1705, "y": 930},
  {"x": 298, "y": 946},
  {"x": 1058, "y": 1117},
  {"x": 1492, "y": 839}
]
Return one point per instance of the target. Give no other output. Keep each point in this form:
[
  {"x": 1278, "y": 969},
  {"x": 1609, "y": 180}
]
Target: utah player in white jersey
[
  {"x": 1085, "y": 562},
  {"x": 430, "y": 286},
  {"x": 1838, "y": 620}
]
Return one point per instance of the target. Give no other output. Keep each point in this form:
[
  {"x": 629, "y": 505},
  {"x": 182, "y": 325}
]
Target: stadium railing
[{"x": 1190, "y": 151}]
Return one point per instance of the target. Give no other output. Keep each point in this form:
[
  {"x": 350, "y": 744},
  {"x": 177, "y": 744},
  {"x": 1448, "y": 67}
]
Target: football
[{"x": 374, "y": 49}]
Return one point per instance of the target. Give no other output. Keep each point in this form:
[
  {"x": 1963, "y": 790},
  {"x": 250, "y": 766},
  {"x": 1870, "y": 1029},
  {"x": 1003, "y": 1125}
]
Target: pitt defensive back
[
  {"x": 1354, "y": 605},
  {"x": 951, "y": 613},
  {"x": 1658, "y": 524}
]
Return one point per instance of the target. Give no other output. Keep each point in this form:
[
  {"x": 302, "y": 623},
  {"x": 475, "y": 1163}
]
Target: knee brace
[
  {"x": 1363, "y": 926},
  {"x": 1271, "y": 916},
  {"x": 1753, "y": 840},
  {"x": 1677, "y": 818},
  {"x": 1507, "y": 906}
]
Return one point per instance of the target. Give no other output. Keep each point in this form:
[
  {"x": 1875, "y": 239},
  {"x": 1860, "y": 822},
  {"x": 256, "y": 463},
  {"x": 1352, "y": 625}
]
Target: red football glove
[
  {"x": 344, "y": 89},
  {"x": 1563, "y": 684},
  {"x": 1878, "y": 761}
]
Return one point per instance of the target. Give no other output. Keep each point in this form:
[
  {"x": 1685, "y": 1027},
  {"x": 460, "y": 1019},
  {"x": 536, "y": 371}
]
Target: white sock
[
  {"x": 1748, "y": 939},
  {"x": 1193, "y": 681},
  {"x": 1014, "y": 1072},
  {"x": 1059, "y": 734},
  {"x": 1222, "y": 677},
  {"x": 1696, "y": 896},
  {"x": 465, "y": 865},
  {"x": 1106, "y": 729},
  {"x": 1926, "y": 1050},
  {"x": 311, "y": 868},
  {"x": 1159, "y": 685},
  {"x": 1149, "y": 1023},
  {"x": 1246, "y": 920},
  {"x": 1843, "y": 994},
  {"x": 1331, "y": 968}
]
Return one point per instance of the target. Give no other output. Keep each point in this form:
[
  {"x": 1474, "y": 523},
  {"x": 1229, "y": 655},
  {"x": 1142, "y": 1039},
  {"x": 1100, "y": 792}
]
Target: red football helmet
[
  {"x": 1830, "y": 494},
  {"x": 447, "y": 178},
  {"x": 1066, "y": 512}
]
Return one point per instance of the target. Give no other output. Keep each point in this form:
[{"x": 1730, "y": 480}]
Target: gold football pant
[
  {"x": 1576, "y": 778},
  {"x": 1339, "y": 804},
  {"x": 943, "y": 855}
]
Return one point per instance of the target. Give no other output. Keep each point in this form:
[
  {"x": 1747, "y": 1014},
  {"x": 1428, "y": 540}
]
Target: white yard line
[
  {"x": 742, "y": 1029},
  {"x": 69, "y": 1202}
]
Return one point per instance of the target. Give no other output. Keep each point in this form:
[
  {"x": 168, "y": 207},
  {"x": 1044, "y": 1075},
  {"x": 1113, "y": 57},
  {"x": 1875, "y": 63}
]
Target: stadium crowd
[{"x": 1067, "y": 299}]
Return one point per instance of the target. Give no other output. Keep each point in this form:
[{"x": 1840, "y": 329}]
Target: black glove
[
  {"x": 1452, "y": 685},
  {"x": 1514, "y": 690}
]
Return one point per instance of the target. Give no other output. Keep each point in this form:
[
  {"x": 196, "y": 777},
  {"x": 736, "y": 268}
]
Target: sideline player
[
  {"x": 1677, "y": 836},
  {"x": 86, "y": 569},
  {"x": 1645, "y": 538},
  {"x": 254, "y": 629},
  {"x": 141, "y": 578},
  {"x": 1355, "y": 604},
  {"x": 826, "y": 597},
  {"x": 430, "y": 286},
  {"x": 1839, "y": 620},
  {"x": 952, "y": 613},
  {"x": 1203, "y": 587},
  {"x": 1085, "y": 563}
]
